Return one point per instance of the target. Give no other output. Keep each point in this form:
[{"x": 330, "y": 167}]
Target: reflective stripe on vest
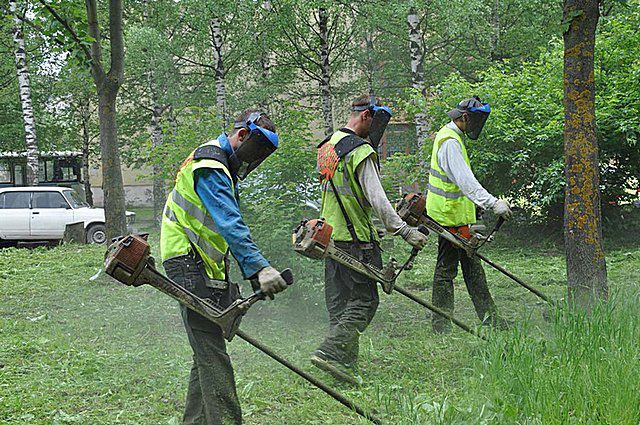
[
  {"x": 186, "y": 224},
  {"x": 210, "y": 250},
  {"x": 358, "y": 209},
  {"x": 195, "y": 212},
  {"x": 445, "y": 201}
]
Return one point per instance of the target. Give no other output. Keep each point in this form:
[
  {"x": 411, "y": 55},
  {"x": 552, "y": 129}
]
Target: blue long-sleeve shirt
[{"x": 215, "y": 189}]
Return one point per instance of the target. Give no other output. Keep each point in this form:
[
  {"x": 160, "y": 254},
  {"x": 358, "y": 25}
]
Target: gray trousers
[
  {"x": 211, "y": 396},
  {"x": 449, "y": 256},
  {"x": 352, "y": 300}
]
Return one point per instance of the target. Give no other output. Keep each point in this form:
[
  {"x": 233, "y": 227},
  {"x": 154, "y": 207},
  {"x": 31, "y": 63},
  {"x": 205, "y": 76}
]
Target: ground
[{"x": 78, "y": 347}]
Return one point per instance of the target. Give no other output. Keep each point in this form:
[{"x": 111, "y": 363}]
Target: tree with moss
[{"x": 586, "y": 266}]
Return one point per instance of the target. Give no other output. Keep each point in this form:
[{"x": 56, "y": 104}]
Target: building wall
[{"x": 138, "y": 186}]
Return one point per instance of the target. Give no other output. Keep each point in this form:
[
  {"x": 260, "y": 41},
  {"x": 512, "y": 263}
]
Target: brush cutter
[
  {"x": 412, "y": 209},
  {"x": 312, "y": 238},
  {"x": 128, "y": 261}
]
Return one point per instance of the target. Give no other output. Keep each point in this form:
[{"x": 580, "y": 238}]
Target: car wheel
[{"x": 97, "y": 234}]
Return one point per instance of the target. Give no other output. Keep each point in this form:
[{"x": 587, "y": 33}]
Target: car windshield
[{"x": 74, "y": 199}]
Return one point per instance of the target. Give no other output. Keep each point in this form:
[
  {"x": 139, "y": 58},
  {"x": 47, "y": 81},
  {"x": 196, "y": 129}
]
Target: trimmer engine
[
  {"x": 411, "y": 208},
  {"x": 311, "y": 238},
  {"x": 126, "y": 258}
]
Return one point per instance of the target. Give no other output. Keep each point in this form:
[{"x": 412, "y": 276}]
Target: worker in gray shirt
[
  {"x": 351, "y": 195},
  {"x": 453, "y": 195}
]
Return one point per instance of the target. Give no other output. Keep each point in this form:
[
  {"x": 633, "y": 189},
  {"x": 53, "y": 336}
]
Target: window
[
  {"x": 18, "y": 170},
  {"x": 5, "y": 171},
  {"x": 14, "y": 200},
  {"x": 66, "y": 169},
  {"x": 49, "y": 200},
  {"x": 74, "y": 199}
]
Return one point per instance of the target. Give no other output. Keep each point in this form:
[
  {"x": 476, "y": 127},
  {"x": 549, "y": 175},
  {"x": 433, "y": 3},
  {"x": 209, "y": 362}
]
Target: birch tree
[
  {"x": 215, "y": 32},
  {"x": 24, "y": 85},
  {"x": 417, "y": 53},
  {"x": 85, "y": 119},
  {"x": 325, "y": 71},
  {"x": 154, "y": 86},
  {"x": 316, "y": 37},
  {"x": 586, "y": 266}
]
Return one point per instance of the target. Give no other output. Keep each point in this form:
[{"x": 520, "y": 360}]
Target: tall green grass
[
  {"x": 580, "y": 369},
  {"x": 586, "y": 370}
]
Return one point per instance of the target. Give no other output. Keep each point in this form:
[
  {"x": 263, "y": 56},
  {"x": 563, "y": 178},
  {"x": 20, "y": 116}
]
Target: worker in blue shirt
[
  {"x": 201, "y": 226},
  {"x": 215, "y": 189}
]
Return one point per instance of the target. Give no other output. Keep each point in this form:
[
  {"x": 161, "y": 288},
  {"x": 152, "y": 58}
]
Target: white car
[{"x": 40, "y": 213}]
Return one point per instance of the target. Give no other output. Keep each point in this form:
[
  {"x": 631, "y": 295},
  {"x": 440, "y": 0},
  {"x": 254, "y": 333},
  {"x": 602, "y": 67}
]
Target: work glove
[
  {"x": 271, "y": 282},
  {"x": 501, "y": 208},
  {"x": 413, "y": 236}
]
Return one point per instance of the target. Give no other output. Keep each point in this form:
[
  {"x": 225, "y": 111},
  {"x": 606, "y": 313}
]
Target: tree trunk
[
  {"x": 416, "y": 49},
  {"x": 586, "y": 266},
  {"x": 107, "y": 86},
  {"x": 368, "y": 38},
  {"x": 86, "y": 139},
  {"x": 325, "y": 83},
  {"x": 494, "y": 40},
  {"x": 112, "y": 184},
  {"x": 221, "y": 93},
  {"x": 157, "y": 140},
  {"x": 265, "y": 62},
  {"x": 25, "y": 97}
]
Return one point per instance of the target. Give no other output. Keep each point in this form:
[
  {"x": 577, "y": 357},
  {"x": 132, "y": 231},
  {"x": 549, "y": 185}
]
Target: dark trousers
[
  {"x": 211, "y": 396},
  {"x": 352, "y": 301},
  {"x": 474, "y": 278}
]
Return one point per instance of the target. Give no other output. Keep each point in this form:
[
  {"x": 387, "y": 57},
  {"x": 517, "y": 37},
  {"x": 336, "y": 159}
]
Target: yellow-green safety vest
[
  {"x": 445, "y": 201},
  {"x": 351, "y": 195},
  {"x": 186, "y": 222}
]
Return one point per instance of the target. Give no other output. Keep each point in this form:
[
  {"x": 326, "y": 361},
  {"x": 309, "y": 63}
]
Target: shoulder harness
[
  {"x": 348, "y": 144},
  {"x": 216, "y": 153}
]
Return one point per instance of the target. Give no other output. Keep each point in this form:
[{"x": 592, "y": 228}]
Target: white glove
[
  {"x": 270, "y": 281},
  {"x": 413, "y": 236},
  {"x": 501, "y": 208}
]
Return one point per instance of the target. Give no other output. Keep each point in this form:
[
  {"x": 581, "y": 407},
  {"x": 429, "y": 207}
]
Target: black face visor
[
  {"x": 475, "y": 123},
  {"x": 256, "y": 148},
  {"x": 381, "y": 115}
]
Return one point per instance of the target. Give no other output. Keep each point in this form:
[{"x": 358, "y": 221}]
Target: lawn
[{"x": 78, "y": 347}]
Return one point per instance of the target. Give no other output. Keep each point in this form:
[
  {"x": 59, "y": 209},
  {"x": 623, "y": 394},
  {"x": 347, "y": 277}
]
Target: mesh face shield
[
  {"x": 380, "y": 119},
  {"x": 256, "y": 148},
  {"x": 475, "y": 121},
  {"x": 475, "y": 113}
]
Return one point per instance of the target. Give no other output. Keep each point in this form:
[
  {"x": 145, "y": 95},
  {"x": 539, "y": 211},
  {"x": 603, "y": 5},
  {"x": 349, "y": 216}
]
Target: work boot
[{"x": 334, "y": 368}]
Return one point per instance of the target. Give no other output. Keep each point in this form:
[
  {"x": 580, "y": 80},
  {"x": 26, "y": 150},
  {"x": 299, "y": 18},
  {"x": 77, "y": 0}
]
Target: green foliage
[
  {"x": 284, "y": 190},
  {"x": 520, "y": 153},
  {"x": 194, "y": 127}
]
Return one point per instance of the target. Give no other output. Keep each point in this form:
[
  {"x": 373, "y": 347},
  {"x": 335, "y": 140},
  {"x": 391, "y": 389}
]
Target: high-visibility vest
[
  {"x": 186, "y": 224},
  {"x": 351, "y": 195},
  {"x": 445, "y": 201}
]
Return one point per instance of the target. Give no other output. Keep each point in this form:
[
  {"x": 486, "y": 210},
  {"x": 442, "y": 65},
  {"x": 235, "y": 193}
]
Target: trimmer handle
[
  {"x": 499, "y": 224},
  {"x": 286, "y": 275}
]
